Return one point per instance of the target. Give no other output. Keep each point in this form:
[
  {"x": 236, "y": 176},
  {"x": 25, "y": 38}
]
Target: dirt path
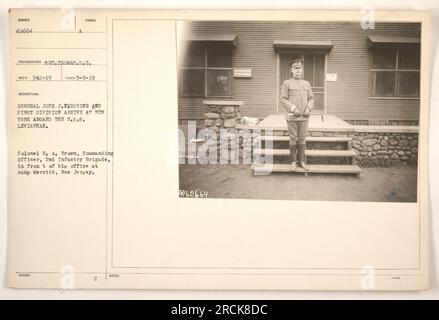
[{"x": 393, "y": 184}]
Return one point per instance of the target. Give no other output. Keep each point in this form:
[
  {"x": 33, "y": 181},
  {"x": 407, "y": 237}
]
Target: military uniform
[{"x": 296, "y": 97}]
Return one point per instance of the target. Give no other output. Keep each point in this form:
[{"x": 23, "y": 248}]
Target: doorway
[{"x": 314, "y": 71}]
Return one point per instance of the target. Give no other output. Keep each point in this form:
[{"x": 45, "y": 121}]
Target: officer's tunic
[{"x": 296, "y": 92}]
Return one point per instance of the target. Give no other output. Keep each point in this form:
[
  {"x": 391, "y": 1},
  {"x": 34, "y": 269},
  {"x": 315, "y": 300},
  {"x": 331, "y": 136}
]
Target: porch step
[
  {"x": 328, "y": 139},
  {"x": 330, "y": 153},
  {"x": 312, "y": 168},
  {"x": 308, "y": 153},
  {"x": 308, "y": 139}
]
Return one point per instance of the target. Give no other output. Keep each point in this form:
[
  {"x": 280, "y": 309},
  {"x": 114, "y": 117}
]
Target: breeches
[{"x": 297, "y": 131}]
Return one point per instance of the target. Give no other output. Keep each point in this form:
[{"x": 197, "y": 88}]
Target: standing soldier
[{"x": 298, "y": 100}]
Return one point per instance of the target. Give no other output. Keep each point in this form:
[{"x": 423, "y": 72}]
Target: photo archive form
[{"x": 218, "y": 149}]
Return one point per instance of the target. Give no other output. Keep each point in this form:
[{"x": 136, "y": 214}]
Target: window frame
[
  {"x": 397, "y": 70},
  {"x": 206, "y": 69}
]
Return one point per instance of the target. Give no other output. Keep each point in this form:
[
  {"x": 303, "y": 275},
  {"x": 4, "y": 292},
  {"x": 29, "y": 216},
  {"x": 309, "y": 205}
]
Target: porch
[
  {"x": 333, "y": 145},
  {"x": 325, "y": 154}
]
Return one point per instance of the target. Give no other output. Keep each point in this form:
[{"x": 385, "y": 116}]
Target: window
[
  {"x": 206, "y": 70},
  {"x": 395, "y": 71}
]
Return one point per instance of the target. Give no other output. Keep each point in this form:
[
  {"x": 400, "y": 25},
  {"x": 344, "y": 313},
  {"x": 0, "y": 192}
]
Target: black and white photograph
[
  {"x": 299, "y": 110},
  {"x": 255, "y": 153}
]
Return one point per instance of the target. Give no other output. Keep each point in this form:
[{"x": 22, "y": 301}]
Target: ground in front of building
[{"x": 397, "y": 183}]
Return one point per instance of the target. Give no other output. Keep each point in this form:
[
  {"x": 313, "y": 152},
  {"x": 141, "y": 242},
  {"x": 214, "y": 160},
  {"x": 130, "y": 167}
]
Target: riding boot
[{"x": 302, "y": 163}]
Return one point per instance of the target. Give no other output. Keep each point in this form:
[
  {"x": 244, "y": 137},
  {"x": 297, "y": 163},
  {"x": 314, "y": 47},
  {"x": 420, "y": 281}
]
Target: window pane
[
  {"x": 219, "y": 56},
  {"x": 218, "y": 82},
  {"x": 408, "y": 84},
  {"x": 192, "y": 82},
  {"x": 408, "y": 57},
  {"x": 314, "y": 69},
  {"x": 194, "y": 55},
  {"x": 318, "y": 101},
  {"x": 308, "y": 68},
  {"x": 384, "y": 58},
  {"x": 319, "y": 70},
  {"x": 385, "y": 84}
]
